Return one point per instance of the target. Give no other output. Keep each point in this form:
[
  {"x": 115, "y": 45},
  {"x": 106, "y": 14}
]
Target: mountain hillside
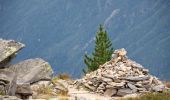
[{"x": 60, "y": 31}]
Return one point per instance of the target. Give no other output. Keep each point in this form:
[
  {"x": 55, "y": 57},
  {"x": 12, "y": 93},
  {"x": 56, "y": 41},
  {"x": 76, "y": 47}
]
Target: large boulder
[
  {"x": 8, "y": 49},
  {"x": 32, "y": 71},
  {"x": 7, "y": 82}
]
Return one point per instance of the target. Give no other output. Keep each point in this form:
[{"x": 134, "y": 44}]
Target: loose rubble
[{"x": 121, "y": 76}]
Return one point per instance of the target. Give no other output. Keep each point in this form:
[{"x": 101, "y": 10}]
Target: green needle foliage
[{"x": 102, "y": 52}]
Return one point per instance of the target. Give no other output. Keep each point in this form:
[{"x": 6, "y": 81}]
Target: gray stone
[
  {"x": 124, "y": 91},
  {"x": 101, "y": 87},
  {"x": 121, "y": 52},
  {"x": 156, "y": 81},
  {"x": 106, "y": 79},
  {"x": 136, "y": 65},
  {"x": 109, "y": 76},
  {"x": 90, "y": 83},
  {"x": 32, "y": 71},
  {"x": 145, "y": 71},
  {"x": 92, "y": 88},
  {"x": 133, "y": 87},
  {"x": 159, "y": 88},
  {"x": 147, "y": 87},
  {"x": 114, "y": 56},
  {"x": 110, "y": 92},
  {"x": 8, "y": 81},
  {"x": 100, "y": 91},
  {"x": 9, "y": 98},
  {"x": 116, "y": 85},
  {"x": 138, "y": 85},
  {"x": 8, "y": 48},
  {"x": 142, "y": 90},
  {"x": 24, "y": 91},
  {"x": 105, "y": 75},
  {"x": 136, "y": 78}
]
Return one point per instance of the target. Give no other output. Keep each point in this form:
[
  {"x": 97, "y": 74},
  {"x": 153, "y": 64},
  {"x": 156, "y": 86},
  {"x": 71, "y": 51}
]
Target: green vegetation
[
  {"x": 152, "y": 96},
  {"x": 102, "y": 52}
]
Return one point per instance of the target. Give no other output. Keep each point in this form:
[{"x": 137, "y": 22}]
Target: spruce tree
[{"x": 102, "y": 51}]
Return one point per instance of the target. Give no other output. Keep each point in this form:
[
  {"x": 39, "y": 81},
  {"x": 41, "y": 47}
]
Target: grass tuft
[
  {"x": 152, "y": 96},
  {"x": 42, "y": 89},
  {"x": 2, "y": 92},
  {"x": 168, "y": 84},
  {"x": 64, "y": 76}
]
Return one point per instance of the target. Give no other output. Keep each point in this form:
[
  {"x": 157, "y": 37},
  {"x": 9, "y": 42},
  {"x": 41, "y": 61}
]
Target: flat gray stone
[
  {"x": 110, "y": 92},
  {"x": 9, "y": 98},
  {"x": 133, "y": 87},
  {"x": 92, "y": 88},
  {"x": 8, "y": 48},
  {"x": 159, "y": 88},
  {"x": 124, "y": 91},
  {"x": 136, "y": 78}
]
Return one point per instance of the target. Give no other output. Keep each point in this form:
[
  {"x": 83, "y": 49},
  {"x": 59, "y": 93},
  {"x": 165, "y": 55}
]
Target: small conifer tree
[{"x": 102, "y": 52}]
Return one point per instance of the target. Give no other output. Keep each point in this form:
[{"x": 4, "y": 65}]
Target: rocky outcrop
[
  {"x": 17, "y": 79},
  {"x": 8, "y": 49},
  {"x": 121, "y": 76}
]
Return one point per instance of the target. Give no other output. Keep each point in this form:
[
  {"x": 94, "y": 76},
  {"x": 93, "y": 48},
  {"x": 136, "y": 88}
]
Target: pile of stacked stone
[{"x": 121, "y": 76}]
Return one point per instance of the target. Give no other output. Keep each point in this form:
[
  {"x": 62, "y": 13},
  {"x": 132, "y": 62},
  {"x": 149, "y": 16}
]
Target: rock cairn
[{"x": 121, "y": 76}]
